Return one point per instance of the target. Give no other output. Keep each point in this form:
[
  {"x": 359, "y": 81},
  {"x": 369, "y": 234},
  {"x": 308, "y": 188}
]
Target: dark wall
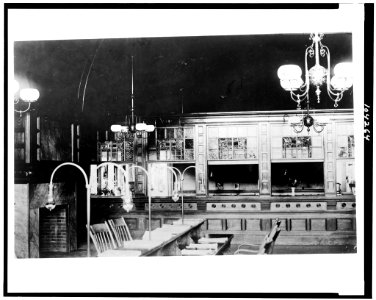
[{"x": 90, "y": 80}]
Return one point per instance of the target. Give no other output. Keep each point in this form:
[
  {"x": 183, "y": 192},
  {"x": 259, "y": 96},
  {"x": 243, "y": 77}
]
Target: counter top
[
  {"x": 343, "y": 197},
  {"x": 162, "y": 237}
]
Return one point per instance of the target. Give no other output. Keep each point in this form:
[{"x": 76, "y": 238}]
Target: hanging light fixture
[
  {"x": 290, "y": 75},
  {"x": 132, "y": 123},
  {"x": 306, "y": 120},
  {"x": 298, "y": 124},
  {"x": 28, "y": 95},
  {"x": 127, "y": 198}
]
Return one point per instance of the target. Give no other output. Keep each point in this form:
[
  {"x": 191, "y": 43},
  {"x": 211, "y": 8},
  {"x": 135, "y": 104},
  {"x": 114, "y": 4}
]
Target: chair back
[
  {"x": 267, "y": 245},
  {"x": 120, "y": 230},
  {"x": 102, "y": 238}
]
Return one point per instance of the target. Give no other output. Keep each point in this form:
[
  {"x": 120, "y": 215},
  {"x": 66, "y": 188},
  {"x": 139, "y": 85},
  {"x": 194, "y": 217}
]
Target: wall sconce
[
  {"x": 50, "y": 205},
  {"x": 175, "y": 194},
  {"x": 27, "y": 95},
  {"x": 127, "y": 196},
  {"x": 127, "y": 202},
  {"x": 149, "y": 195},
  {"x": 181, "y": 174}
]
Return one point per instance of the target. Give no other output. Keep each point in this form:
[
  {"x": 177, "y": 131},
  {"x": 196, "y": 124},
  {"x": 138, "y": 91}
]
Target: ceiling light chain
[{"x": 133, "y": 125}]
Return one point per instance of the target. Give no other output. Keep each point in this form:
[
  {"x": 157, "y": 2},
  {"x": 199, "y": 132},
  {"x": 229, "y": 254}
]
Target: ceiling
[{"x": 171, "y": 75}]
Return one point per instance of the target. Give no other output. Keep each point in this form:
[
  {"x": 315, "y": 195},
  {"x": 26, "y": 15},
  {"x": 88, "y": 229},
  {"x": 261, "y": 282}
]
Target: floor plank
[{"x": 278, "y": 249}]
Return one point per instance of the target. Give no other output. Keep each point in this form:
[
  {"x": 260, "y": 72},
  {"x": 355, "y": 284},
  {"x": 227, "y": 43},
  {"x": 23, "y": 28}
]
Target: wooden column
[
  {"x": 264, "y": 160},
  {"x": 28, "y": 137},
  {"x": 75, "y": 142},
  {"x": 330, "y": 160},
  {"x": 200, "y": 158},
  {"x": 139, "y": 156}
]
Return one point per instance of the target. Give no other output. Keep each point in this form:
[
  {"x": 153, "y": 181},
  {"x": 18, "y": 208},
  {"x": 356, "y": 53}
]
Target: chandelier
[
  {"x": 27, "y": 95},
  {"x": 306, "y": 120},
  {"x": 317, "y": 75},
  {"x": 132, "y": 122}
]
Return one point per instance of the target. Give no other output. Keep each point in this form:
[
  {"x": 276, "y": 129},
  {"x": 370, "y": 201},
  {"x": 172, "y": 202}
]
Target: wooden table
[
  {"x": 170, "y": 247},
  {"x": 211, "y": 244},
  {"x": 222, "y": 246}
]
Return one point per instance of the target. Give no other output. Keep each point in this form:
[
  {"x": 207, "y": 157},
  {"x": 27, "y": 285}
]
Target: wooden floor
[
  {"x": 278, "y": 250},
  {"x": 288, "y": 249}
]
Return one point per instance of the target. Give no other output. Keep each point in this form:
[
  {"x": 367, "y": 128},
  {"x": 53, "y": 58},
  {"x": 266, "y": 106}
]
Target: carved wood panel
[
  {"x": 330, "y": 160},
  {"x": 201, "y": 166},
  {"x": 264, "y": 159}
]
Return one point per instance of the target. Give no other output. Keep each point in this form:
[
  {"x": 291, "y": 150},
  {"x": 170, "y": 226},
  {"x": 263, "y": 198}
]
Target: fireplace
[{"x": 53, "y": 229}]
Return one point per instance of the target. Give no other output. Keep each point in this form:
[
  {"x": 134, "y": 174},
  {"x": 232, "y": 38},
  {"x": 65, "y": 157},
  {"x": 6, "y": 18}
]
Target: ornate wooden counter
[{"x": 305, "y": 220}]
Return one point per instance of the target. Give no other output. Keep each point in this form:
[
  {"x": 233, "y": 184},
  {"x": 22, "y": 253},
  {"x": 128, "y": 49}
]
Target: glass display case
[
  {"x": 119, "y": 149},
  {"x": 345, "y": 158},
  {"x": 288, "y": 145},
  {"x": 171, "y": 144},
  {"x": 297, "y": 147},
  {"x": 232, "y": 142}
]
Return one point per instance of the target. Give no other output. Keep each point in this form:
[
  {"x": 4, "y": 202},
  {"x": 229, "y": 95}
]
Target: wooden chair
[
  {"x": 102, "y": 237},
  {"x": 120, "y": 231},
  {"x": 105, "y": 243},
  {"x": 266, "y": 246}
]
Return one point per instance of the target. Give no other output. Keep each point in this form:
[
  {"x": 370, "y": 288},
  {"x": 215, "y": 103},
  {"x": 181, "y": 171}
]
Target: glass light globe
[
  {"x": 317, "y": 75},
  {"x": 289, "y": 71},
  {"x": 341, "y": 83},
  {"x": 128, "y": 206},
  {"x": 308, "y": 121},
  {"x": 127, "y": 202},
  {"x": 29, "y": 95},
  {"x": 115, "y": 128},
  {"x": 175, "y": 197},
  {"x": 50, "y": 204},
  {"x": 141, "y": 126},
  {"x": 344, "y": 69},
  {"x": 291, "y": 84},
  {"x": 150, "y": 128}
]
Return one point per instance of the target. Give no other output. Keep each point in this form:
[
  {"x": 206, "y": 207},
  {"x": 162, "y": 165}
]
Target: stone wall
[{"x": 29, "y": 200}]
